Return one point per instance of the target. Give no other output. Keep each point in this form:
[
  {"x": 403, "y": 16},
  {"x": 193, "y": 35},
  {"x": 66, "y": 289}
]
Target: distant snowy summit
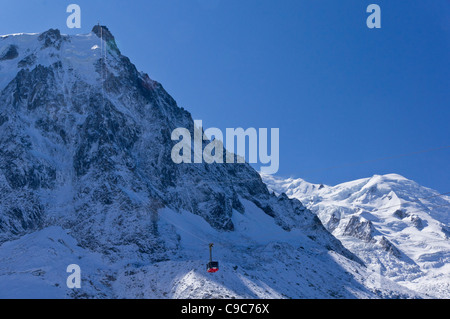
[{"x": 393, "y": 224}]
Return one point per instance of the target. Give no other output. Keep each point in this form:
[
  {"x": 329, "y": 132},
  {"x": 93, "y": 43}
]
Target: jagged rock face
[
  {"x": 417, "y": 222},
  {"x": 51, "y": 38},
  {"x": 389, "y": 247},
  {"x": 85, "y": 143},
  {"x": 103, "y": 33},
  {"x": 400, "y": 214},
  {"x": 361, "y": 229},
  {"x": 446, "y": 231},
  {"x": 333, "y": 222},
  {"x": 9, "y": 53}
]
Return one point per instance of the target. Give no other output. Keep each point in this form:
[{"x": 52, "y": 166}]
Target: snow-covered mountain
[
  {"x": 86, "y": 177},
  {"x": 393, "y": 224}
]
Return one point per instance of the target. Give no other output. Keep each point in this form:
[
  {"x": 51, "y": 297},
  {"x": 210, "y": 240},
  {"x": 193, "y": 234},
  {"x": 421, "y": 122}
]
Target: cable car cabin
[{"x": 212, "y": 266}]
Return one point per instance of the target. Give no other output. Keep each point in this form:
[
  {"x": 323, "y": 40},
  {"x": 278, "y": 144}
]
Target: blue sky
[{"x": 341, "y": 94}]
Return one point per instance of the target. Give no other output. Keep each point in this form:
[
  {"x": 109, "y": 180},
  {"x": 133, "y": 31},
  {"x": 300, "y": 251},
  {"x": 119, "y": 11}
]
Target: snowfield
[
  {"x": 393, "y": 224},
  {"x": 284, "y": 266}
]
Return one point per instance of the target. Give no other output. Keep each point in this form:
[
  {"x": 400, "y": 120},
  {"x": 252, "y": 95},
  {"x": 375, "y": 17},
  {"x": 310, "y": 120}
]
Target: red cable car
[{"x": 212, "y": 266}]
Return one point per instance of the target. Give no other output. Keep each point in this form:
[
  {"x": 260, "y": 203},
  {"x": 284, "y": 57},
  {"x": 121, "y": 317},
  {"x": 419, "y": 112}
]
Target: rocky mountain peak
[
  {"x": 51, "y": 37},
  {"x": 103, "y": 32}
]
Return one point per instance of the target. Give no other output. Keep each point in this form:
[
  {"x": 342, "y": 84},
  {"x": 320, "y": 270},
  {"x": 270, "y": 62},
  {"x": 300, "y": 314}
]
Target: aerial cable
[
  {"x": 242, "y": 180},
  {"x": 101, "y": 64}
]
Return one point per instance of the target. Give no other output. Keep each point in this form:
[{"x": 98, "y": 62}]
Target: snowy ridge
[{"x": 390, "y": 222}]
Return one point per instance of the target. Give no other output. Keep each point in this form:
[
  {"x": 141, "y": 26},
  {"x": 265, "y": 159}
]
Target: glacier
[{"x": 395, "y": 225}]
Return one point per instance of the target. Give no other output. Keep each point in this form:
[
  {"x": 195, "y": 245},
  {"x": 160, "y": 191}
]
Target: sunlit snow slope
[{"x": 393, "y": 224}]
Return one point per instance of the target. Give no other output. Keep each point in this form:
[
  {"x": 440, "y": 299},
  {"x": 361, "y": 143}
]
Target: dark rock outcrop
[{"x": 10, "y": 53}]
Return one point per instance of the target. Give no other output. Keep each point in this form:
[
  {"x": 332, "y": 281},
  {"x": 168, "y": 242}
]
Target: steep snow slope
[
  {"x": 281, "y": 265},
  {"x": 390, "y": 222},
  {"x": 86, "y": 176}
]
